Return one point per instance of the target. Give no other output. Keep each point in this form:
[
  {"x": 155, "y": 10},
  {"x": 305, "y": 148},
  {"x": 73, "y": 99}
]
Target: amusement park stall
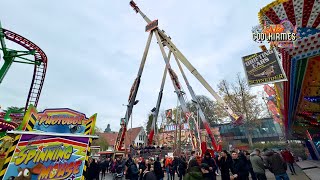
[
  {"x": 53, "y": 144},
  {"x": 300, "y": 95}
]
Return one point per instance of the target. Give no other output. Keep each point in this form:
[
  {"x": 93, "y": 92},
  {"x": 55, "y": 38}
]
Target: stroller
[{"x": 119, "y": 174}]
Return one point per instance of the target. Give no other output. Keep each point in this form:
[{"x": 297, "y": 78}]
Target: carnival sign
[
  {"x": 58, "y": 121},
  {"x": 48, "y": 157},
  {"x": 52, "y": 144},
  {"x": 281, "y": 35},
  {"x": 263, "y": 68},
  {"x": 169, "y": 114}
]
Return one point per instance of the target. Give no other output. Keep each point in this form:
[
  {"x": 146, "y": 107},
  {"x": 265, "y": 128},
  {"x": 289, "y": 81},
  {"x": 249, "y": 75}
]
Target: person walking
[
  {"x": 239, "y": 168},
  {"x": 246, "y": 156},
  {"x": 127, "y": 167},
  {"x": 194, "y": 171},
  {"x": 182, "y": 167},
  {"x": 216, "y": 156},
  {"x": 168, "y": 162},
  {"x": 158, "y": 169},
  {"x": 93, "y": 170},
  {"x": 212, "y": 165},
  {"x": 276, "y": 165},
  {"x": 225, "y": 163},
  {"x": 172, "y": 168},
  {"x": 258, "y": 165},
  {"x": 103, "y": 167},
  {"x": 205, "y": 169},
  {"x": 133, "y": 168},
  {"x": 289, "y": 159},
  {"x": 149, "y": 173},
  {"x": 142, "y": 167}
]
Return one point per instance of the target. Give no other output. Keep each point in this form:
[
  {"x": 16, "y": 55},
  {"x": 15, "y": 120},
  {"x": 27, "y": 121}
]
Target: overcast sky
[{"x": 94, "y": 49}]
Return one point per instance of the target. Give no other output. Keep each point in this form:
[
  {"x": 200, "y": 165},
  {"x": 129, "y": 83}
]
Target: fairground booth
[{"x": 299, "y": 97}]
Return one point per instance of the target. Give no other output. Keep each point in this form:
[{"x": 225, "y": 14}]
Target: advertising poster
[
  {"x": 263, "y": 68},
  {"x": 169, "y": 114},
  {"x": 48, "y": 157},
  {"x": 62, "y": 120},
  {"x": 52, "y": 144}
]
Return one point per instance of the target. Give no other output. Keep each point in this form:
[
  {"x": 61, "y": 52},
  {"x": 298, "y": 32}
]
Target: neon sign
[{"x": 281, "y": 35}]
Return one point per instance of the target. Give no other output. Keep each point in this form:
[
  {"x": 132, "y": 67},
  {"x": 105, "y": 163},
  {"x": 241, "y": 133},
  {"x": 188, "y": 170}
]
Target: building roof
[
  {"x": 112, "y": 136},
  {"x": 131, "y": 135}
]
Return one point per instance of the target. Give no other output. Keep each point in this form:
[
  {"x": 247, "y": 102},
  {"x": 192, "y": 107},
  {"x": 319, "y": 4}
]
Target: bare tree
[
  {"x": 242, "y": 100},
  {"x": 210, "y": 109}
]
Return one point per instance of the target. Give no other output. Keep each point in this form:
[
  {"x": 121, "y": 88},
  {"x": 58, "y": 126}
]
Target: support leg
[
  {"x": 199, "y": 109},
  {"x": 175, "y": 82},
  {"x": 193, "y": 70},
  {"x": 156, "y": 112},
  {"x": 132, "y": 98}
]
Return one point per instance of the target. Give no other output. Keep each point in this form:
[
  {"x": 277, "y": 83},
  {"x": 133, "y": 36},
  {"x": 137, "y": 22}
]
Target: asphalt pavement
[{"x": 300, "y": 175}]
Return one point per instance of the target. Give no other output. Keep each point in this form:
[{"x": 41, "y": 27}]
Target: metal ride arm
[
  {"x": 174, "y": 79},
  {"x": 132, "y": 98},
  {"x": 156, "y": 112},
  {"x": 192, "y": 69},
  {"x": 189, "y": 66},
  {"x": 195, "y": 99},
  {"x": 176, "y": 85}
]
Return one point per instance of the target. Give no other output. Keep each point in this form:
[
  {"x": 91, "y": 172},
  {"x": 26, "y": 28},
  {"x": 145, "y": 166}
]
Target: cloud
[{"x": 95, "y": 48}]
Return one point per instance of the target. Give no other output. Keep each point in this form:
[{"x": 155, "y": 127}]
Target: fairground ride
[
  {"x": 164, "y": 40},
  {"x": 10, "y": 56}
]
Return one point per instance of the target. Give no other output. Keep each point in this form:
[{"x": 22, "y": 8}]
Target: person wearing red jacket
[{"x": 289, "y": 159}]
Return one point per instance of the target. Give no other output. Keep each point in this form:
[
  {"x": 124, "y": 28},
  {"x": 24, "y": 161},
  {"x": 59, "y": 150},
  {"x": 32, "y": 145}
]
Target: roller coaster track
[{"x": 40, "y": 65}]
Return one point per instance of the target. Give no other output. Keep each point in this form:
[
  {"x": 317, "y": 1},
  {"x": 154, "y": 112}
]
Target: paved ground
[
  {"x": 300, "y": 175},
  {"x": 311, "y": 168}
]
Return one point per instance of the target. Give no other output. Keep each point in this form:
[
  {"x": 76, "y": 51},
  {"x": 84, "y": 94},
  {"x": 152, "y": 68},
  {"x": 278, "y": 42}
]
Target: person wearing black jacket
[
  {"x": 212, "y": 165},
  {"x": 103, "y": 167},
  {"x": 94, "y": 170},
  {"x": 205, "y": 171},
  {"x": 158, "y": 169},
  {"x": 142, "y": 168},
  {"x": 173, "y": 168},
  {"x": 239, "y": 169},
  {"x": 225, "y": 163},
  {"x": 128, "y": 164},
  {"x": 182, "y": 167}
]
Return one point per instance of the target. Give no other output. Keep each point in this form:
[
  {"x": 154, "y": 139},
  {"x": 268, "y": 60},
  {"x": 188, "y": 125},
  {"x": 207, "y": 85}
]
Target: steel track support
[
  {"x": 157, "y": 108},
  {"x": 132, "y": 99},
  {"x": 197, "y": 104},
  {"x": 175, "y": 82},
  {"x": 189, "y": 66}
]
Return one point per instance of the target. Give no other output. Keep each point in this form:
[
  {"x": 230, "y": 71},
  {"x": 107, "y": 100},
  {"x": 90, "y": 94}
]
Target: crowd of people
[{"x": 233, "y": 165}]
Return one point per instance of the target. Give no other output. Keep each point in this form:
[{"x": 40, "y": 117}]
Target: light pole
[
  {"x": 265, "y": 100},
  {"x": 176, "y": 123},
  {"x": 127, "y": 118},
  {"x": 154, "y": 113}
]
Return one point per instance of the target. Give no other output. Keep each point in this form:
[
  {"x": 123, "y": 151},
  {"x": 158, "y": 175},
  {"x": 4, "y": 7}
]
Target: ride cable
[{"x": 40, "y": 62}]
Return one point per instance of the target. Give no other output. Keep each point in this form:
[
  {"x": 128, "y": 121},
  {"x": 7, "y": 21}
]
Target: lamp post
[
  {"x": 154, "y": 113},
  {"x": 176, "y": 123},
  {"x": 127, "y": 118}
]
